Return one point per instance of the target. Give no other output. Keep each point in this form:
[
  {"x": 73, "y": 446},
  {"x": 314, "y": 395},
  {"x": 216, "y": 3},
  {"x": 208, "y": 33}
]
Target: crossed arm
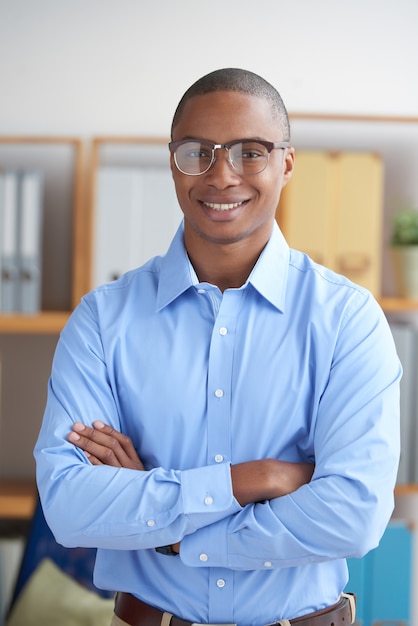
[{"x": 252, "y": 481}]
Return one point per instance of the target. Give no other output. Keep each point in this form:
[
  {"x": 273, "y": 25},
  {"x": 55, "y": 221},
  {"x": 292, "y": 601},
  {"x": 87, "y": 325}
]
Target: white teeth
[{"x": 223, "y": 207}]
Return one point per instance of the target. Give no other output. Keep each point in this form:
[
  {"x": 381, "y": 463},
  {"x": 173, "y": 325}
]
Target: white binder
[
  {"x": 136, "y": 216},
  {"x": 30, "y": 241},
  {"x": 8, "y": 243}
]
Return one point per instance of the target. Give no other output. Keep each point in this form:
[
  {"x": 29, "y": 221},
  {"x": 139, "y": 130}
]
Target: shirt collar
[
  {"x": 269, "y": 276},
  {"x": 175, "y": 276}
]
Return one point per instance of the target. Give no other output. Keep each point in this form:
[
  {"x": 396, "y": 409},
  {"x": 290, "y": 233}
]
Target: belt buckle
[{"x": 229, "y": 624}]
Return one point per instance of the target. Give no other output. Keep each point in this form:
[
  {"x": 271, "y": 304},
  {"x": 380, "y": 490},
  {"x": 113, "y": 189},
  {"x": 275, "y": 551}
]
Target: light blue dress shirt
[{"x": 298, "y": 364}]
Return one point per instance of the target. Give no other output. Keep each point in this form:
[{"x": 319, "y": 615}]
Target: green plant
[{"x": 405, "y": 227}]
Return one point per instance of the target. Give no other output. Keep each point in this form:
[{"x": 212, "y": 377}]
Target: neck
[{"x": 226, "y": 266}]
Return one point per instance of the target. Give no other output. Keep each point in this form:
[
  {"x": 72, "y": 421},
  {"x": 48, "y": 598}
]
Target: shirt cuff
[
  {"x": 207, "y": 490},
  {"x": 206, "y": 547}
]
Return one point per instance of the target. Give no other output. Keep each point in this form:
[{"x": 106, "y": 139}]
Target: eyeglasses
[{"x": 195, "y": 157}]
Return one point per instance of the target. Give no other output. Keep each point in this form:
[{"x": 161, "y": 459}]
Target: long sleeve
[
  {"x": 345, "y": 509},
  {"x": 116, "y": 508}
]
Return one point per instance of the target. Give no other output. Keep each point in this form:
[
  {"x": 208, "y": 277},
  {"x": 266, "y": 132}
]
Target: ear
[{"x": 288, "y": 164}]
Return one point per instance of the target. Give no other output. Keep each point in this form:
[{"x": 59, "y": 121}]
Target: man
[{"x": 260, "y": 392}]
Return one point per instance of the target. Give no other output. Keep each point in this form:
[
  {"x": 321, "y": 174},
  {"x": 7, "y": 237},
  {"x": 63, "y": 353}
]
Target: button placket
[
  {"x": 220, "y": 366},
  {"x": 221, "y": 590}
]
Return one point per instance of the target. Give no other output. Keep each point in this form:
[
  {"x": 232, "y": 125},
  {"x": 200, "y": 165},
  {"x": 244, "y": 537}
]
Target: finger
[
  {"x": 102, "y": 453},
  {"x": 124, "y": 441},
  {"x": 107, "y": 444},
  {"x": 93, "y": 460},
  {"x": 131, "y": 459}
]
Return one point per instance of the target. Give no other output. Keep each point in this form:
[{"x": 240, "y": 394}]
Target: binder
[
  {"x": 119, "y": 192},
  {"x": 382, "y": 579},
  {"x": 136, "y": 216},
  {"x": 30, "y": 242},
  {"x": 8, "y": 243},
  {"x": 321, "y": 209}
]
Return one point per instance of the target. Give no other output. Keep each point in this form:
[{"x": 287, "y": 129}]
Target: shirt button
[
  {"x": 219, "y": 458},
  {"x": 203, "y": 557},
  {"x": 208, "y": 500},
  {"x": 220, "y": 583},
  {"x": 150, "y": 523},
  {"x": 219, "y": 393},
  {"x": 223, "y": 330},
  {"x": 268, "y": 564},
  {"x": 201, "y": 291}
]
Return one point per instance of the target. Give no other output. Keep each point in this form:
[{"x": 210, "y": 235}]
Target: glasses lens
[
  {"x": 193, "y": 157},
  {"x": 249, "y": 157}
]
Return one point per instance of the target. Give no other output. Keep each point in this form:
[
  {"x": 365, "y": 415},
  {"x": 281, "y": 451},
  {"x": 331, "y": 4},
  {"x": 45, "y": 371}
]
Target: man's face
[{"x": 223, "y": 206}]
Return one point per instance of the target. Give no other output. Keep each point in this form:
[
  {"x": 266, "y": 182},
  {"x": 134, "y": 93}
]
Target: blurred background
[
  {"x": 83, "y": 69},
  {"x": 89, "y": 67}
]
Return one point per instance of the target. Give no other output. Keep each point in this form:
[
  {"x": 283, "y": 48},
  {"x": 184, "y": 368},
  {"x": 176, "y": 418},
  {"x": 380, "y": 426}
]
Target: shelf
[
  {"x": 17, "y": 499},
  {"x": 46, "y": 323},
  {"x": 406, "y": 489},
  {"x": 397, "y": 305},
  {"x": 52, "y": 322}
]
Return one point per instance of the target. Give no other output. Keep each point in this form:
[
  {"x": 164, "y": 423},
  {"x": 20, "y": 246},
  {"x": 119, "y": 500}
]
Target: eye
[
  {"x": 199, "y": 153},
  {"x": 253, "y": 150},
  {"x": 250, "y": 154},
  {"x": 192, "y": 151}
]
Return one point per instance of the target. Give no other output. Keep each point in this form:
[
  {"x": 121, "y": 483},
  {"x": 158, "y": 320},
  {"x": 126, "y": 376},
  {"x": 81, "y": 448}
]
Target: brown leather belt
[{"x": 136, "y": 613}]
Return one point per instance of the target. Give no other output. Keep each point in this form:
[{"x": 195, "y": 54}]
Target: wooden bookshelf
[
  {"x": 65, "y": 255},
  {"x": 383, "y": 135},
  {"x": 17, "y": 499},
  {"x": 406, "y": 489},
  {"x": 397, "y": 305},
  {"x": 47, "y": 322},
  {"x": 20, "y": 152}
]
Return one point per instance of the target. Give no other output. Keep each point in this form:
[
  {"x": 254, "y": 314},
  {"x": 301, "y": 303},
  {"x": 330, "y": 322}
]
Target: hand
[
  {"x": 256, "y": 481},
  {"x": 103, "y": 445}
]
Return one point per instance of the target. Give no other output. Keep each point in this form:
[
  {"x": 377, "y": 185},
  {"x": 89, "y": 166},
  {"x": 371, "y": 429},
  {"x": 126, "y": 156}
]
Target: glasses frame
[{"x": 269, "y": 145}]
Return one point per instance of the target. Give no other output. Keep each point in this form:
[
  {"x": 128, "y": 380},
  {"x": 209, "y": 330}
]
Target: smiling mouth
[{"x": 222, "y": 207}]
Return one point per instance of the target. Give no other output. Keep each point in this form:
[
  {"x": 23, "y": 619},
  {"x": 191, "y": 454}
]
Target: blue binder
[{"x": 382, "y": 579}]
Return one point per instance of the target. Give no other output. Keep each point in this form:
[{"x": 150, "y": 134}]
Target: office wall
[{"x": 119, "y": 66}]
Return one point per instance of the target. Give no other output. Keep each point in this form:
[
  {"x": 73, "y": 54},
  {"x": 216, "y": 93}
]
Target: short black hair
[{"x": 244, "y": 81}]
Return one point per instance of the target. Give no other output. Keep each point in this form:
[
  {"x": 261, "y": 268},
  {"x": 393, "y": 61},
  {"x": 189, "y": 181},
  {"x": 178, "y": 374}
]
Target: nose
[{"x": 221, "y": 174}]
